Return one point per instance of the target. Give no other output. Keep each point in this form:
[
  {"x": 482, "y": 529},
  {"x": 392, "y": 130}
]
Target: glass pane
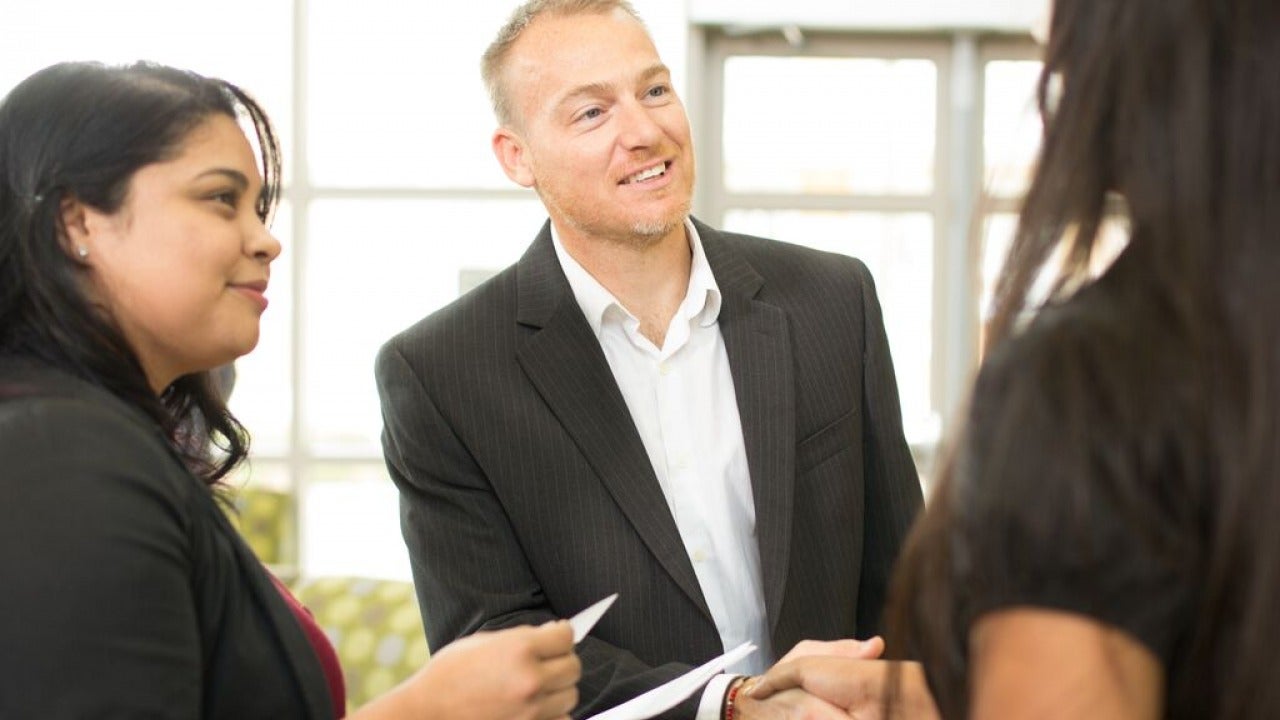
[
  {"x": 247, "y": 42},
  {"x": 1012, "y": 127},
  {"x": 262, "y": 398},
  {"x": 898, "y": 250},
  {"x": 350, "y": 523},
  {"x": 997, "y": 234},
  {"x": 829, "y": 125},
  {"x": 375, "y": 267},
  {"x": 262, "y": 509},
  {"x": 395, "y": 97},
  {"x": 265, "y": 475}
]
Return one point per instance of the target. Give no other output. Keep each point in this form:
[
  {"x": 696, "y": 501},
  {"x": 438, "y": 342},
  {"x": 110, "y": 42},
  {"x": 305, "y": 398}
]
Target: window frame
[{"x": 958, "y": 202}]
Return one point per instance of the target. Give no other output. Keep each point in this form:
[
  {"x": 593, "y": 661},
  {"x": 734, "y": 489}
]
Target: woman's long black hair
[
  {"x": 1174, "y": 107},
  {"x": 81, "y": 130}
]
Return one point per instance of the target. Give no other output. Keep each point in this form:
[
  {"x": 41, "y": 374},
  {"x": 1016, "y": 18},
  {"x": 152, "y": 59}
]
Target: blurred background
[{"x": 900, "y": 132}]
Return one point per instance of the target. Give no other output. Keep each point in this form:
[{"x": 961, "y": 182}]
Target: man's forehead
[
  {"x": 559, "y": 39},
  {"x": 575, "y": 57}
]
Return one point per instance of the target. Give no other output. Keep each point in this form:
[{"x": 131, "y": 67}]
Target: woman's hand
[
  {"x": 521, "y": 673},
  {"x": 869, "y": 649}
]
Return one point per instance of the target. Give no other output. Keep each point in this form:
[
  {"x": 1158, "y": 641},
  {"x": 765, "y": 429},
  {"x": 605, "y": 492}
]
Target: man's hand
[
  {"x": 791, "y": 704},
  {"x": 856, "y": 686}
]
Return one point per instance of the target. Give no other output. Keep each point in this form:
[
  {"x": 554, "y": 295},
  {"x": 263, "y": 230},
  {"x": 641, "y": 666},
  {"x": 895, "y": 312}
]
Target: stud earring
[{"x": 82, "y": 251}]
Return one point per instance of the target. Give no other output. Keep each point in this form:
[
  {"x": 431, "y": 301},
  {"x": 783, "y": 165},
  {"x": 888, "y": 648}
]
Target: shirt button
[
  {"x": 664, "y": 369},
  {"x": 699, "y": 556}
]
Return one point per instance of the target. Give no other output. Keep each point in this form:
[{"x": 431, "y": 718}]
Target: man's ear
[{"x": 509, "y": 148}]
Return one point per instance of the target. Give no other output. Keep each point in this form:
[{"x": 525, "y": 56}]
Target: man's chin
[
  {"x": 658, "y": 226},
  {"x": 640, "y": 232},
  {"x": 655, "y": 229}
]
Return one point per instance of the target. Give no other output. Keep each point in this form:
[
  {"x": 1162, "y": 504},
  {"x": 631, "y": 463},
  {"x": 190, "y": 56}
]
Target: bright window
[{"x": 394, "y": 204}]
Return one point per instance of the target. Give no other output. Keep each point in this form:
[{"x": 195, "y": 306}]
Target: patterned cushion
[
  {"x": 265, "y": 520},
  {"x": 375, "y": 627}
]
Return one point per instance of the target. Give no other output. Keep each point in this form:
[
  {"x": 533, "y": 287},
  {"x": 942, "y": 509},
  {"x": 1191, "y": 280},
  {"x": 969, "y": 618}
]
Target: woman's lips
[{"x": 255, "y": 292}]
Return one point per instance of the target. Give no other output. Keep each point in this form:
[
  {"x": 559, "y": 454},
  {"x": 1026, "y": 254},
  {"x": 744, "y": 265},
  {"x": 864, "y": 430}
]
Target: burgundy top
[{"x": 323, "y": 649}]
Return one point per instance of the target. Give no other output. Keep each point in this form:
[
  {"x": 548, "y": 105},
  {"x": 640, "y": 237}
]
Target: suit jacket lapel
[
  {"x": 563, "y": 360},
  {"x": 757, "y": 340},
  {"x": 299, "y": 653}
]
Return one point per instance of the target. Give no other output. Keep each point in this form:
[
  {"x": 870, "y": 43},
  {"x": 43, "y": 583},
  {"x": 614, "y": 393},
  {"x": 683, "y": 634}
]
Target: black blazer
[
  {"x": 126, "y": 592},
  {"x": 526, "y": 492}
]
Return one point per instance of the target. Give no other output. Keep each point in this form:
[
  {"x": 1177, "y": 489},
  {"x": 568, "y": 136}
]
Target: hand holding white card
[
  {"x": 666, "y": 696},
  {"x": 587, "y": 618}
]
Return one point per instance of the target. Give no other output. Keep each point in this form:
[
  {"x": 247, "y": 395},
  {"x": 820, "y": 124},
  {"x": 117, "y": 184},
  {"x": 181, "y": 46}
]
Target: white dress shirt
[{"x": 682, "y": 401}]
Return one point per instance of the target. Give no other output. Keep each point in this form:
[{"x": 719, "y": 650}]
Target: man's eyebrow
[
  {"x": 587, "y": 90},
  {"x": 599, "y": 88},
  {"x": 234, "y": 176},
  {"x": 655, "y": 70}
]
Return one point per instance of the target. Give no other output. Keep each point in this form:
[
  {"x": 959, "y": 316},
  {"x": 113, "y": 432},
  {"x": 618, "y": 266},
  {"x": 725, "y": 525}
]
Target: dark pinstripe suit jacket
[{"x": 526, "y": 492}]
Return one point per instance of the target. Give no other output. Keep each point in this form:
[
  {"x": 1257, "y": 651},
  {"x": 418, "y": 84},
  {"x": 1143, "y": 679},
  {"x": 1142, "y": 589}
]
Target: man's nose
[{"x": 638, "y": 126}]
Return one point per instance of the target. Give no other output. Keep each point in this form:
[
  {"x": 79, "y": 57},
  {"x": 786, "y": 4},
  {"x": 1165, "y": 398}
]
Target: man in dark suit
[{"x": 706, "y": 423}]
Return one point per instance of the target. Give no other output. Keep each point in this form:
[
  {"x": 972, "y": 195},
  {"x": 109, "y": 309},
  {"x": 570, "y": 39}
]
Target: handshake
[
  {"x": 837, "y": 679},
  {"x": 816, "y": 680}
]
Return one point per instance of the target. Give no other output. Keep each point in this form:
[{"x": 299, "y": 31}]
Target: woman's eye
[{"x": 227, "y": 198}]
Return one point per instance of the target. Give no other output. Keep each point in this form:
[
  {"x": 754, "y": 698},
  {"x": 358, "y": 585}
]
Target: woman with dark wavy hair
[
  {"x": 134, "y": 259},
  {"x": 1103, "y": 542}
]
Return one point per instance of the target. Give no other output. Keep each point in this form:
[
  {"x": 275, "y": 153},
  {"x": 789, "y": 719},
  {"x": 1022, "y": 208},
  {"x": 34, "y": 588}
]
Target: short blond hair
[{"x": 494, "y": 62}]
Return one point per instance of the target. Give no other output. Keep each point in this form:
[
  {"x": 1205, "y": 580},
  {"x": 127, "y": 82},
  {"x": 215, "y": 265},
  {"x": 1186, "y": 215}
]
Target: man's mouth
[{"x": 646, "y": 174}]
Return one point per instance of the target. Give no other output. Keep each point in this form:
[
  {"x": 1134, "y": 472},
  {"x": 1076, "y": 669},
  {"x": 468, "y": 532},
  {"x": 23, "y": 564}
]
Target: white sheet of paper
[
  {"x": 667, "y": 696},
  {"x": 587, "y": 618}
]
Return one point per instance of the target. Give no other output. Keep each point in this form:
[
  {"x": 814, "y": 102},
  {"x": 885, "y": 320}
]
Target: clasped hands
[{"x": 834, "y": 680}]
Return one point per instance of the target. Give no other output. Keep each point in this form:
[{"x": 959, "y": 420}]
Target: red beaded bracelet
[{"x": 731, "y": 696}]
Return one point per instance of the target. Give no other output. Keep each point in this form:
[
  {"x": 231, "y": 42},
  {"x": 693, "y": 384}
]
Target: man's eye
[
  {"x": 591, "y": 114},
  {"x": 658, "y": 91}
]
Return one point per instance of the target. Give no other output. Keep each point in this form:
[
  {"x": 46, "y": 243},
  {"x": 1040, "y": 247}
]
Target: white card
[
  {"x": 666, "y": 696},
  {"x": 587, "y": 619}
]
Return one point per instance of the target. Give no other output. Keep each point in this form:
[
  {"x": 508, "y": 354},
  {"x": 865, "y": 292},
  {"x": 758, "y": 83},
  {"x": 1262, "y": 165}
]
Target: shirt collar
[{"x": 701, "y": 302}]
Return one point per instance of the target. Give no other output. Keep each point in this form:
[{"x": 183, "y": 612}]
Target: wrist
[{"x": 729, "y": 708}]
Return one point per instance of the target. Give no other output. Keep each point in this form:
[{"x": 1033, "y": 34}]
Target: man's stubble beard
[
  {"x": 641, "y": 235},
  {"x": 650, "y": 232}
]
